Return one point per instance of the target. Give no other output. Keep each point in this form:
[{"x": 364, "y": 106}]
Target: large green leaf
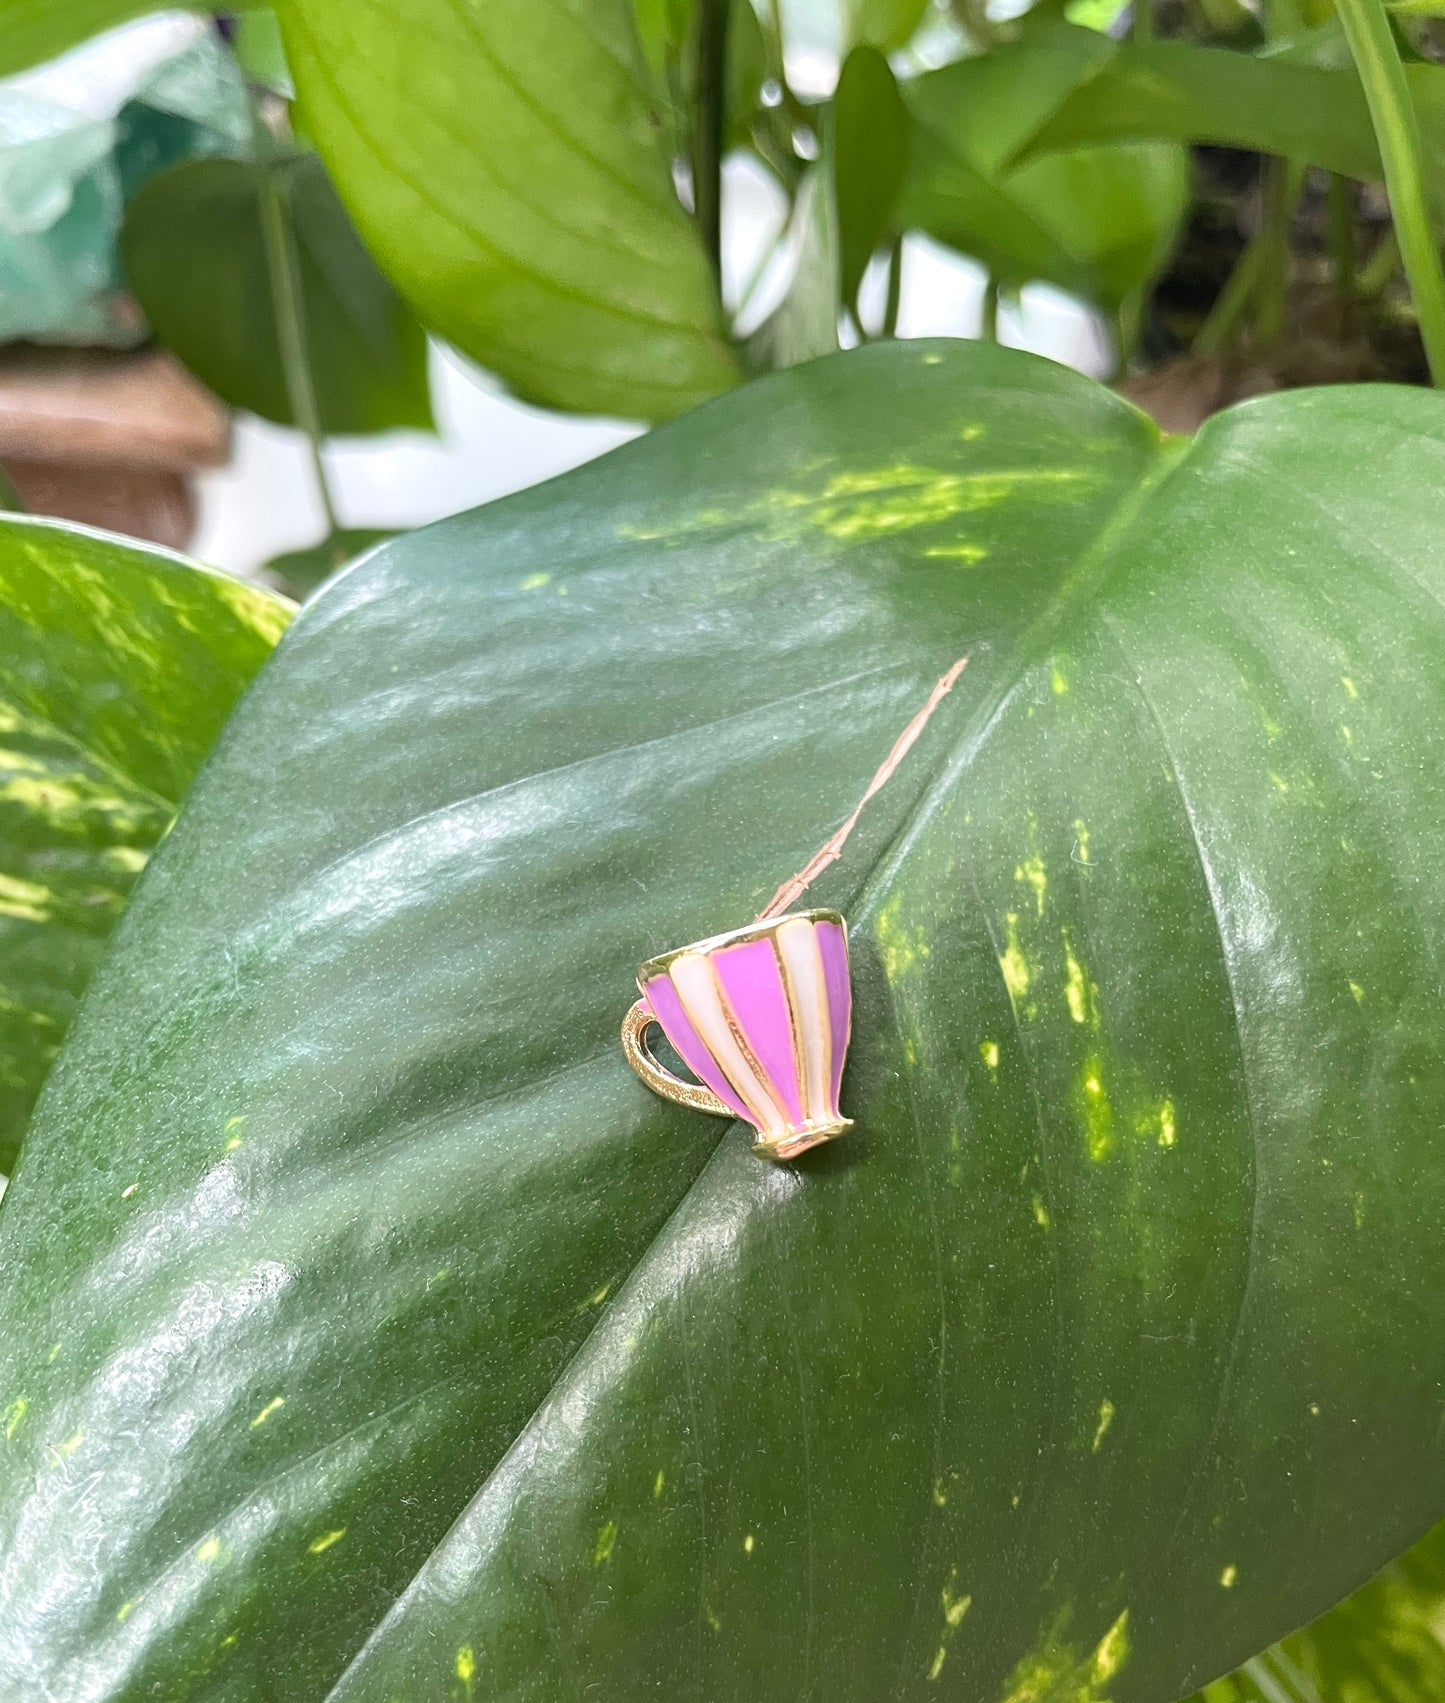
[
  {"x": 1096, "y": 220},
  {"x": 196, "y": 254},
  {"x": 870, "y": 140},
  {"x": 34, "y": 30},
  {"x": 1384, "y": 1644},
  {"x": 118, "y": 665},
  {"x": 1278, "y": 105},
  {"x": 367, "y": 1315},
  {"x": 504, "y": 164}
]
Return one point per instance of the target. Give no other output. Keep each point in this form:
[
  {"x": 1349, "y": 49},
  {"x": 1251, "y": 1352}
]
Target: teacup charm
[{"x": 761, "y": 1015}]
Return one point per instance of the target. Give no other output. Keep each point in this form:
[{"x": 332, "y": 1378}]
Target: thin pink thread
[{"x": 833, "y": 849}]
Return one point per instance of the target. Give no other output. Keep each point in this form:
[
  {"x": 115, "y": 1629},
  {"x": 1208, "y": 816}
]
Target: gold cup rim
[{"x": 736, "y": 937}]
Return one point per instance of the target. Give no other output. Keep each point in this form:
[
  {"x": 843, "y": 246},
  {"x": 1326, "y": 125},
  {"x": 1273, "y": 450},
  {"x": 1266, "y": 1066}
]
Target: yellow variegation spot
[
  {"x": 14, "y": 1414},
  {"x": 968, "y": 553},
  {"x": 1041, "y": 1213},
  {"x": 1228, "y": 1577},
  {"x": 659, "y": 1484},
  {"x": 1167, "y": 1131},
  {"x": 123, "y": 1613},
  {"x": 535, "y": 582},
  {"x": 1058, "y": 681},
  {"x": 25, "y": 900},
  {"x": 1349, "y": 686},
  {"x": 466, "y": 1666},
  {"x": 954, "y": 1608},
  {"x": 1112, "y": 1651},
  {"x": 1358, "y": 992},
  {"x": 900, "y": 498},
  {"x": 1014, "y": 965},
  {"x": 1080, "y": 995},
  {"x": 899, "y": 946},
  {"x": 606, "y": 1538},
  {"x": 210, "y": 1550},
  {"x": 748, "y": 1544},
  {"x": 1037, "y": 876},
  {"x": 319, "y": 1545},
  {"x": 988, "y": 1052},
  {"x": 1081, "y": 842},
  {"x": 272, "y": 1406},
  {"x": 1097, "y": 1115},
  {"x": 1056, "y": 1673},
  {"x": 1106, "y": 1419}
]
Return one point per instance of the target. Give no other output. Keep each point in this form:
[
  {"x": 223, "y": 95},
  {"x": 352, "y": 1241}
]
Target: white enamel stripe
[
  {"x": 802, "y": 960},
  {"x": 701, "y": 997}
]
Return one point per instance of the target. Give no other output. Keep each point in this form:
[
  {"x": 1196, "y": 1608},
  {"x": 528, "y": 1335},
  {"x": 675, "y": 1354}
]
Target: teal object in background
[{"x": 77, "y": 139}]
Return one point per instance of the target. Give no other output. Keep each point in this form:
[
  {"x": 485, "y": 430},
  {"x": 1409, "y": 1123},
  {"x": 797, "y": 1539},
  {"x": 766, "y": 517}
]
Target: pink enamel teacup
[{"x": 761, "y": 1016}]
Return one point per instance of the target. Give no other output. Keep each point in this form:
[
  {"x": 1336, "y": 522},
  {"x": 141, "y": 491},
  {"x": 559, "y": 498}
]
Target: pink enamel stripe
[
  {"x": 667, "y": 1009},
  {"x": 833, "y": 944},
  {"x": 753, "y": 987}
]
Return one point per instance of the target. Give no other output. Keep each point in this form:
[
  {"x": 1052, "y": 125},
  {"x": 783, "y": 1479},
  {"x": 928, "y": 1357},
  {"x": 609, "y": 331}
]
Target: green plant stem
[
  {"x": 1380, "y": 268},
  {"x": 775, "y": 19},
  {"x": 707, "y": 146},
  {"x": 1284, "y": 180},
  {"x": 895, "y": 289},
  {"x": 1231, "y": 302},
  {"x": 1341, "y": 209},
  {"x": 1367, "y": 28},
  {"x": 283, "y": 274},
  {"x": 11, "y": 502},
  {"x": 988, "y": 325}
]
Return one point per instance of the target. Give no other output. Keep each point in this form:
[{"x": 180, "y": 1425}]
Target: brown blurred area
[{"x": 109, "y": 440}]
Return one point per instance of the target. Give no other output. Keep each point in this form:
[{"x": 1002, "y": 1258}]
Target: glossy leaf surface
[
  {"x": 505, "y": 164},
  {"x": 196, "y": 256},
  {"x": 370, "y": 1319},
  {"x": 1097, "y": 220},
  {"x": 118, "y": 665}
]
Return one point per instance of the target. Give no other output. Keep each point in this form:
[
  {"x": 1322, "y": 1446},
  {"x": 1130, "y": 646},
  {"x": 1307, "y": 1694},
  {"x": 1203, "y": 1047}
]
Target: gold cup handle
[{"x": 634, "y": 1044}]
